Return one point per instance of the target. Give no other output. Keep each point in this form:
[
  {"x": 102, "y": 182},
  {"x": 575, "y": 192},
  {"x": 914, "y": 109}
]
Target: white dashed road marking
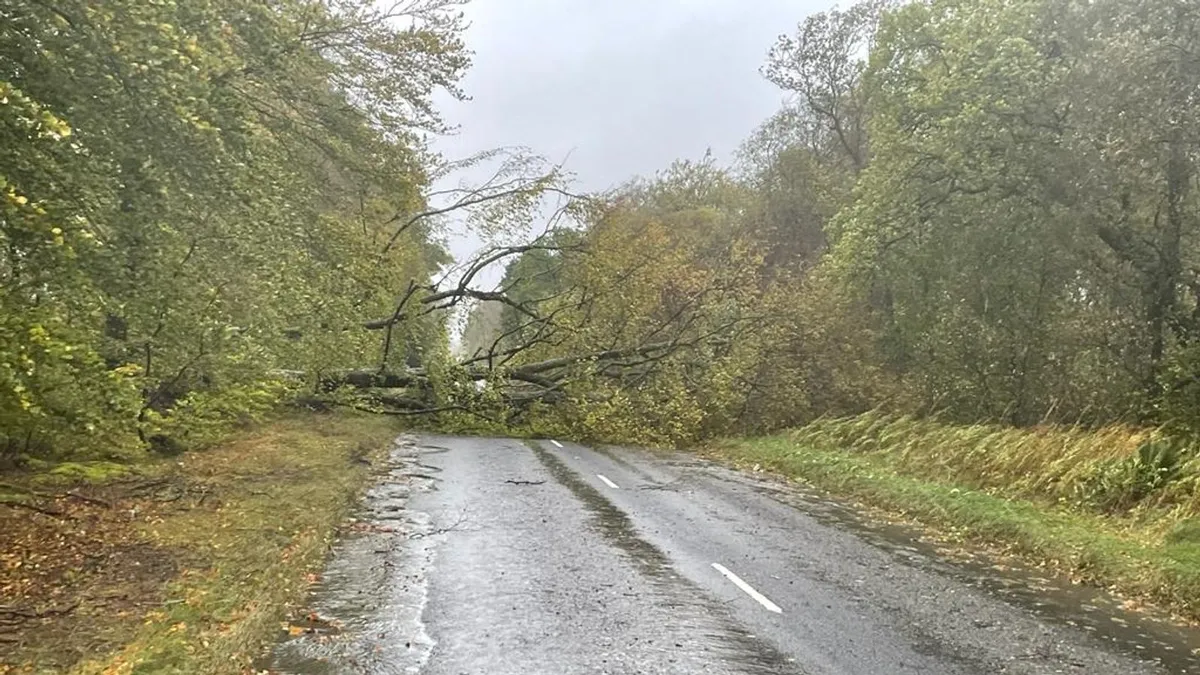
[
  {"x": 737, "y": 581},
  {"x": 608, "y": 482},
  {"x": 556, "y": 443}
]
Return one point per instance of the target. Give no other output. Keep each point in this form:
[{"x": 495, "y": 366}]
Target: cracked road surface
[{"x": 494, "y": 556}]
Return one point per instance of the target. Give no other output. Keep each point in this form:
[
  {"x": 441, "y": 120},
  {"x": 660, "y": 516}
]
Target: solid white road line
[
  {"x": 608, "y": 482},
  {"x": 737, "y": 581},
  {"x": 556, "y": 443}
]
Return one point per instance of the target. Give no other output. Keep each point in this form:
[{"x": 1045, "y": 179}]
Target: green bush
[{"x": 1120, "y": 484}]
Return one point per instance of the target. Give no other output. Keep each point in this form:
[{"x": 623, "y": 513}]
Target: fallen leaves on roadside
[{"x": 86, "y": 570}]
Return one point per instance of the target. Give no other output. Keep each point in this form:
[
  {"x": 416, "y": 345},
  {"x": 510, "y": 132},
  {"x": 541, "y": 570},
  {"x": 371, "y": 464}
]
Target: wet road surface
[{"x": 490, "y": 556}]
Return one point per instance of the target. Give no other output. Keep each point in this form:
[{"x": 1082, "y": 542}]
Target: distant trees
[{"x": 980, "y": 209}]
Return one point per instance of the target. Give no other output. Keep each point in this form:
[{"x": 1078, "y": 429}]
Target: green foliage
[
  {"x": 980, "y": 210},
  {"x": 985, "y": 210},
  {"x": 196, "y": 195},
  {"x": 1120, "y": 484},
  {"x": 950, "y": 223},
  {"x": 203, "y": 417},
  {"x": 995, "y": 263}
]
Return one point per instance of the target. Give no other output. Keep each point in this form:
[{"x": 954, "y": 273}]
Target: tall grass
[
  {"x": 1117, "y": 507},
  {"x": 1117, "y": 470}
]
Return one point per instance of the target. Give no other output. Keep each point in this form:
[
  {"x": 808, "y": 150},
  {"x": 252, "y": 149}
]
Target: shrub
[{"x": 1120, "y": 484}]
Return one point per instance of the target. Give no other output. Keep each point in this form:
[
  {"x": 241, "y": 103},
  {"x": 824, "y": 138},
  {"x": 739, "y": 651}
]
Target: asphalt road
[{"x": 489, "y": 556}]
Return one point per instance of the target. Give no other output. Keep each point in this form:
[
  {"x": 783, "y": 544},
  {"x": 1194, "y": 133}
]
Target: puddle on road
[
  {"x": 1146, "y": 633},
  {"x": 365, "y": 613}
]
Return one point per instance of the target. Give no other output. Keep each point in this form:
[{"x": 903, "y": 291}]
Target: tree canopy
[
  {"x": 984, "y": 210},
  {"x": 197, "y": 195},
  {"x": 978, "y": 209}
]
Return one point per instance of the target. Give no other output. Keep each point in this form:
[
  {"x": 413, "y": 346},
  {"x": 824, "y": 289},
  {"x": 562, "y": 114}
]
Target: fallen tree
[{"x": 602, "y": 308}]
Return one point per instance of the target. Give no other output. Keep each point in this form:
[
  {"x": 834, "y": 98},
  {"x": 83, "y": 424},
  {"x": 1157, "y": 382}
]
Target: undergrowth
[{"x": 1114, "y": 470}]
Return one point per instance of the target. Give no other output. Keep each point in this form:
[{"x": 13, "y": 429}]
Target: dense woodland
[
  {"x": 974, "y": 209},
  {"x": 984, "y": 210},
  {"x": 197, "y": 194}
]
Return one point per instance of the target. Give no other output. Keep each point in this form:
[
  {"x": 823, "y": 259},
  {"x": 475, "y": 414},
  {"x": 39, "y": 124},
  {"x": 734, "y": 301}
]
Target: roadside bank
[
  {"x": 186, "y": 565},
  {"x": 1116, "y": 507}
]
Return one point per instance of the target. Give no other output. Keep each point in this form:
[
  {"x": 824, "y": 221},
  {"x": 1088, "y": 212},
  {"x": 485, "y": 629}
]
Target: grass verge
[
  {"x": 182, "y": 566},
  {"x": 1131, "y": 553}
]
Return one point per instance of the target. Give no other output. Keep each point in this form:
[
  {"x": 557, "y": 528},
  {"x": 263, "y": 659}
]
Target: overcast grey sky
[{"x": 622, "y": 87}]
